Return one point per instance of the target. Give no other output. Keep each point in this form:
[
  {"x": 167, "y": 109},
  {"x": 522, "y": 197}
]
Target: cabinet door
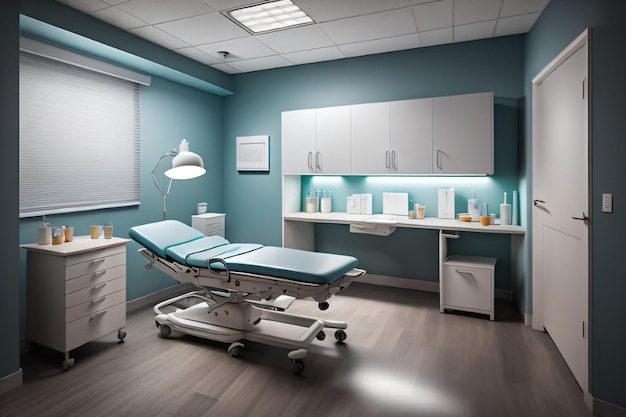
[
  {"x": 370, "y": 151},
  {"x": 463, "y": 134},
  {"x": 411, "y": 136},
  {"x": 298, "y": 141},
  {"x": 332, "y": 140}
]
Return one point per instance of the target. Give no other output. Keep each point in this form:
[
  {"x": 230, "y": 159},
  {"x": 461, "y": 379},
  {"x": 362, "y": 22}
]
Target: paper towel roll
[{"x": 505, "y": 214}]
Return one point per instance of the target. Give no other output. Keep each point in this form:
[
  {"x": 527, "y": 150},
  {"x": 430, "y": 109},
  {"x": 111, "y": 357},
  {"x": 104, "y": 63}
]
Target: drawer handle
[
  {"x": 98, "y": 300},
  {"x": 98, "y": 274},
  {"x": 99, "y": 287},
  {"x": 95, "y": 261},
  {"x": 97, "y": 315},
  {"x": 464, "y": 273}
]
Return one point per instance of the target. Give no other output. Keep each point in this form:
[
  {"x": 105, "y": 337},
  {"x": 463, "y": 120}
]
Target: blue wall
[
  {"x": 253, "y": 201},
  {"x": 559, "y": 25}
]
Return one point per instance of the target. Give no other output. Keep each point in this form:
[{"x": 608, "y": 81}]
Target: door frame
[{"x": 537, "y": 278}]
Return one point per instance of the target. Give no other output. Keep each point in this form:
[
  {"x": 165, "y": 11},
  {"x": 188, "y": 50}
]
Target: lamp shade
[{"x": 186, "y": 164}]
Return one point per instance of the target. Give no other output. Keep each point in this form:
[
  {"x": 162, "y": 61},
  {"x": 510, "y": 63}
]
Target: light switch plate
[{"x": 607, "y": 203}]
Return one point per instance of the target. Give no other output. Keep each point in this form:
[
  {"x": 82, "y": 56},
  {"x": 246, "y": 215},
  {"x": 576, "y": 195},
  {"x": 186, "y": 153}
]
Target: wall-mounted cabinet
[
  {"x": 316, "y": 141},
  {"x": 463, "y": 134},
  {"x": 443, "y": 136}
]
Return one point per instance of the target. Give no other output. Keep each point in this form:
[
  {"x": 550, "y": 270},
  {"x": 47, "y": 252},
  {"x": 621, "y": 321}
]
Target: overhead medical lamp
[{"x": 185, "y": 165}]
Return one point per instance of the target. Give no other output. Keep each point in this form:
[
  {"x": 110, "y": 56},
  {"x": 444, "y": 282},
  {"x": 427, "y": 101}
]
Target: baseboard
[
  {"x": 10, "y": 382},
  {"x": 604, "y": 409},
  {"x": 155, "y": 297},
  {"x": 416, "y": 284}
]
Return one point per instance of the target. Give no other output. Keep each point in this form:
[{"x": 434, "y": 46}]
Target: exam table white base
[{"x": 213, "y": 317}]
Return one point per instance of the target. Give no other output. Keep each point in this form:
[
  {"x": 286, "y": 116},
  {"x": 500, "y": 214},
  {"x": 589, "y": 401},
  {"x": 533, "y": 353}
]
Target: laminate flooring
[{"x": 401, "y": 358}]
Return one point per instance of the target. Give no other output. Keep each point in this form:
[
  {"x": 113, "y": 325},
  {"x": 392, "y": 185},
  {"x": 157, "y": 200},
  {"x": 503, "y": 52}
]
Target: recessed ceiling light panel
[{"x": 269, "y": 16}]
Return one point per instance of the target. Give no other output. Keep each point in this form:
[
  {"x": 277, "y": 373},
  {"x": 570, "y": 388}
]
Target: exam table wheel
[
  {"x": 297, "y": 366},
  {"x": 340, "y": 335},
  {"x": 321, "y": 335},
  {"x": 68, "y": 363},
  {"x": 235, "y": 349},
  {"x": 323, "y": 306},
  {"x": 165, "y": 330}
]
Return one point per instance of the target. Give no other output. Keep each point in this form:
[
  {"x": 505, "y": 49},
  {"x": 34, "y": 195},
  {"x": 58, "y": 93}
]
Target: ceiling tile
[
  {"x": 118, "y": 18},
  {"x": 226, "y": 68},
  {"x": 206, "y": 28},
  {"x": 437, "y": 37},
  {"x": 159, "y": 11},
  {"x": 378, "y": 46},
  {"x": 259, "y": 64},
  {"x": 474, "y": 31},
  {"x": 516, "y": 24},
  {"x": 197, "y": 55},
  {"x": 297, "y": 39},
  {"x": 159, "y": 37},
  {"x": 476, "y": 11},
  {"x": 435, "y": 15},
  {"x": 326, "y": 10},
  {"x": 314, "y": 55},
  {"x": 239, "y": 49},
  {"x": 515, "y": 7},
  {"x": 373, "y": 26},
  {"x": 227, "y": 4}
]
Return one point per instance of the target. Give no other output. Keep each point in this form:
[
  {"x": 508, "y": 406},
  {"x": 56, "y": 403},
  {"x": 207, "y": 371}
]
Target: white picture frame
[{"x": 253, "y": 153}]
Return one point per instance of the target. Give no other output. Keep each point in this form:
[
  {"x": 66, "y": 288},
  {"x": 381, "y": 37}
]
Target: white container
[
  {"x": 505, "y": 214},
  {"x": 327, "y": 204},
  {"x": 312, "y": 204},
  {"x": 45, "y": 235},
  {"x": 202, "y": 208},
  {"x": 473, "y": 208}
]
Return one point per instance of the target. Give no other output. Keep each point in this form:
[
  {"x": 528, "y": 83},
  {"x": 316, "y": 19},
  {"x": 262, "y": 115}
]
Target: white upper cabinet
[
  {"x": 411, "y": 132},
  {"x": 316, "y": 141},
  {"x": 332, "y": 155},
  {"x": 298, "y": 142},
  {"x": 370, "y": 139},
  {"x": 463, "y": 134}
]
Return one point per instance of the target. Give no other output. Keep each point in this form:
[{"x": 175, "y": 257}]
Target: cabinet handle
[
  {"x": 95, "y": 261},
  {"x": 387, "y": 159},
  {"x": 393, "y": 160},
  {"x": 99, "y": 287},
  {"x": 310, "y": 161},
  {"x": 98, "y": 300},
  {"x": 97, "y": 315},
  {"x": 464, "y": 273},
  {"x": 98, "y": 274},
  {"x": 439, "y": 160},
  {"x": 318, "y": 161}
]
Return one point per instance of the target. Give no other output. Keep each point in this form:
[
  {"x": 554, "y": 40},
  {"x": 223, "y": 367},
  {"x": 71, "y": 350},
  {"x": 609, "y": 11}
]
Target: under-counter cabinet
[
  {"x": 75, "y": 292},
  {"x": 316, "y": 141},
  {"x": 467, "y": 284},
  {"x": 463, "y": 134}
]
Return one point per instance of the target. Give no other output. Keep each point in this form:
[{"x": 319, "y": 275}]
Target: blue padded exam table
[{"x": 242, "y": 289}]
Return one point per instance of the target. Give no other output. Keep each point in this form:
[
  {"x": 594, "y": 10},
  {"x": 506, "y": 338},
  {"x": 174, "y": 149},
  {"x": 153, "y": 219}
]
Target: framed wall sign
[{"x": 253, "y": 153}]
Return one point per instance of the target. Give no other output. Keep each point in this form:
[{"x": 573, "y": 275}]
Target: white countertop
[
  {"x": 404, "y": 221},
  {"x": 78, "y": 245}
]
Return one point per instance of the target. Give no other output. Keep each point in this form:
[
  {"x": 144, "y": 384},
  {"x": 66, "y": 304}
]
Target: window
[{"x": 79, "y": 134}]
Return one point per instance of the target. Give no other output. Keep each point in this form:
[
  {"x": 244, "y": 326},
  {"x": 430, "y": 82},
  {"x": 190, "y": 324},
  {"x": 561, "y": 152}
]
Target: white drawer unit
[
  {"x": 209, "y": 224},
  {"x": 75, "y": 292},
  {"x": 467, "y": 284}
]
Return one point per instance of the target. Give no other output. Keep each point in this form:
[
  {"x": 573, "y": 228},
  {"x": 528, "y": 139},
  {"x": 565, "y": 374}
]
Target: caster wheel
[
  {"x": 69, "y": 363},
  {"x": 324, "y": 306},
  {"x": 157, "y": 324},
  {"x": 297, "y": 366},
  {"x": 235, "y": 349},
  {"x": 321, "y": 335},
  {"x": 340, "y": 335},
  {"x": 166, "y": 330},
  {"x": 121, "y": 335}
]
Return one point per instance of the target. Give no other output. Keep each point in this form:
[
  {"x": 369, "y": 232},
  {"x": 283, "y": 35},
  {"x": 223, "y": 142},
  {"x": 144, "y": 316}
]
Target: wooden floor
[{"x": 401, "y": 358}]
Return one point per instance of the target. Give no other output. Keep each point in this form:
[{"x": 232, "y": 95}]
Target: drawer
[
  {"x": 95, "y": 325},
  {"x": 467, "y": 288},
  {"x": 96, "y": 261},
  {"x": 92, "y": 306},
  {"x": 94, "y": 278},
  {"x": 95, "y": 291}
]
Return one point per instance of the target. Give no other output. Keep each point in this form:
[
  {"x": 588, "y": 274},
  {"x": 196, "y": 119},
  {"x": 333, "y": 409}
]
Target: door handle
[
  {"x": 583, "y": 218},
  {"x": 537, "y": 202}
]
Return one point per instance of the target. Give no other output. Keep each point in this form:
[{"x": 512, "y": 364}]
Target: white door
[
  {"x": 298, "y": 141},
  {"x": 411, "y": 136},
  {"x": 332, "y": 140},
  {"x": 561, "y": 206},
  {"x": 370, "y": 153}
]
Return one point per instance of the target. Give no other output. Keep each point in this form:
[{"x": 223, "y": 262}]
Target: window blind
[{"x": 79, "y": 138}]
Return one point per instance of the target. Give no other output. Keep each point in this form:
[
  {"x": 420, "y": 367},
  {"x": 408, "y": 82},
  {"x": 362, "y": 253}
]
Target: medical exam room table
[{"x": 466, "y": 283}]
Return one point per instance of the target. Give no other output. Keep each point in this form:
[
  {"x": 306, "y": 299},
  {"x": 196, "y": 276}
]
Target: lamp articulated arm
[{"x": 169, "y": 186}]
